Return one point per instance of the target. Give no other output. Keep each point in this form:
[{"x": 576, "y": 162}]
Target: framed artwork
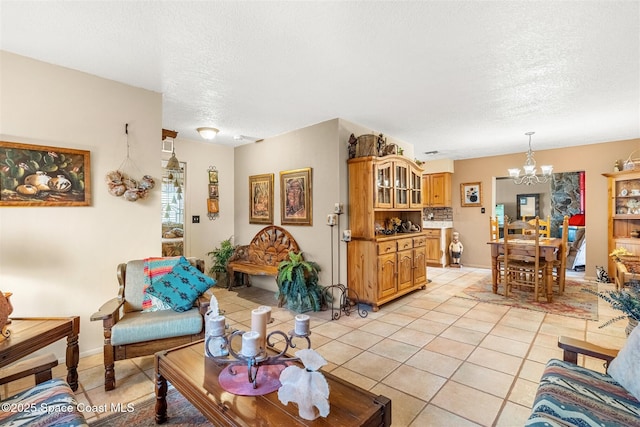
[
  {"x": 213, "y": 191},
  {"x": 296, "y": 203},
  {"x": 261, "y": 199},
  {"x": 36, "y": 175},
  {"x": 213, "y": 176},
  {"x": 471, "y": 194}
]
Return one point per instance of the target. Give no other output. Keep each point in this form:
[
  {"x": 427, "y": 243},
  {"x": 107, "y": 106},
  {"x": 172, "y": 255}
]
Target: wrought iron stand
[{"x": 348, "y": 298}]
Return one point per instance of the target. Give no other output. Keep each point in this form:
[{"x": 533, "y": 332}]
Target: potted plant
[
  {"x": 298, "y": 286},
  {"x": 627, "y": 300},
  {"x": 220, "y": 256}
]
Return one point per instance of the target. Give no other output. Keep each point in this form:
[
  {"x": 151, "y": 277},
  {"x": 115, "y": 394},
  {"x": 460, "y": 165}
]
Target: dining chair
[
  {"x": 560, "y": 264},
  {"x": 494, "y": 236},
  {"x": 523, "y": 266},
  {"x": 544, "y": 226},
  {"x": 494, "y": 229}
]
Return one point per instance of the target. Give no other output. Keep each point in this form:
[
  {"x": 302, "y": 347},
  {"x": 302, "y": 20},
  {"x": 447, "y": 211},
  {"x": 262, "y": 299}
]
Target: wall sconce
[{"x": 208, "y": 133}]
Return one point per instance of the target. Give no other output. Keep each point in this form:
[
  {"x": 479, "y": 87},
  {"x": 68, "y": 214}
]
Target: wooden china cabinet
[
  {"x": 382, "y": 267},
  {"x": 623, "y": 192}
]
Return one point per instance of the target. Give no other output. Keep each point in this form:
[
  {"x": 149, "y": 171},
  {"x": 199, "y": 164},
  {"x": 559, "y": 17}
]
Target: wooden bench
[{"x": 261, "y": 257}]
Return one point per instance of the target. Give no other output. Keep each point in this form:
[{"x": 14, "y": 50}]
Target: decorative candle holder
[{"x": 254, "y": 362}]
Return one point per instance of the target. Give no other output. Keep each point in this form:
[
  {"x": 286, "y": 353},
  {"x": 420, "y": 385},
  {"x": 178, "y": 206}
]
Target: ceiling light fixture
[
  {"x": 208, "y": 133},
  {"x": 530, "y": 172}
]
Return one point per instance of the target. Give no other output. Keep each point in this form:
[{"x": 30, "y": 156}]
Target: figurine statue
[
  {"x": 455, "y": 249},
  {"x": 5, "y": 310}
]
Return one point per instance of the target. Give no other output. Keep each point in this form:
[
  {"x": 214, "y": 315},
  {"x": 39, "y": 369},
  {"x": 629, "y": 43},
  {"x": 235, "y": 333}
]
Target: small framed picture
[{"x": 471, "y": 194}]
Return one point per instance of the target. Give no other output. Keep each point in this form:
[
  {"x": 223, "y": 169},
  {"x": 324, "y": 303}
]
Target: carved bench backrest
[{"x": 271, "y": 246}]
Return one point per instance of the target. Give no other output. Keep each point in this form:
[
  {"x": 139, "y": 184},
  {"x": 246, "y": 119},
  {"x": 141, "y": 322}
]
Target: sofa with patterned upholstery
[{"x": 571, "y": 395}]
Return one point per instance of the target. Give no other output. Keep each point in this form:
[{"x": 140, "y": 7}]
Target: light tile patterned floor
[{"x": 444, "y": 361}]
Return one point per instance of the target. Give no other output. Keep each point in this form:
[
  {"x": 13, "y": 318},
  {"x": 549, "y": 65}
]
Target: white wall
[{"x": 61, "y": 261}]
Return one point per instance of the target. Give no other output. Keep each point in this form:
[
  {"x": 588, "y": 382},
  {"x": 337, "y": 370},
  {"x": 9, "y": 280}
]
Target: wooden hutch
[
  {"x": 623, "y": 193},
  {"x": 383, "y": 267}
]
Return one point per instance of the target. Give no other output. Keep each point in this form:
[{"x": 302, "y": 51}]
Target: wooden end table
[
  {"x": 196, "y": 378},
  {"x": 29, "y": 334}
]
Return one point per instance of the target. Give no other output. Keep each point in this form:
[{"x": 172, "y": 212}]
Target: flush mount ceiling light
[
  {"x": 208, "y": 133},
  {"x": 530, "y": 172}
]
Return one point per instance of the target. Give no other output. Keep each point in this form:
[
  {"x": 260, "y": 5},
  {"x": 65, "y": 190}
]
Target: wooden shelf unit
[
  {"x": 383, "y": 267},
  {"x": 623, "y": 195}
]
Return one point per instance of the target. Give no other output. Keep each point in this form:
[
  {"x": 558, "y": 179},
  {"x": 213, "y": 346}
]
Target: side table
[{"x": 29, "y": 334}]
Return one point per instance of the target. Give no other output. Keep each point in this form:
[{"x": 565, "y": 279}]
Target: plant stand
[{"x": 348, "y": 298}]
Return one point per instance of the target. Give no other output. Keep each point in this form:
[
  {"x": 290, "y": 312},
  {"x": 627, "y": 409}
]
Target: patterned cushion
[
  {"x": 625, "y": 368},
  {"x": 51, "y": 403},
  {"x": 576, "y": 396},
  {"x": 180, "y": 288}
]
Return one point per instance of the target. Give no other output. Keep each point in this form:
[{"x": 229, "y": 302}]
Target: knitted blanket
[{"x": 155, "y": 268}]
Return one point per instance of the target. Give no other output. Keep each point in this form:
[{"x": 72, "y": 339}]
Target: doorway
[{"x": 172, "y": 201}]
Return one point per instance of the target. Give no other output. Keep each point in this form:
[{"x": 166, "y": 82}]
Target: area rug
[
  {"x": 179, "y": 413},
  {"x": 574, "y": 302}
]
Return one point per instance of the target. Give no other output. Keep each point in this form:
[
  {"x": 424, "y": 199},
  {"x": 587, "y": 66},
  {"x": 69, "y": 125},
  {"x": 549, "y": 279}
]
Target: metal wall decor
[{"x": 213, "y": 202}]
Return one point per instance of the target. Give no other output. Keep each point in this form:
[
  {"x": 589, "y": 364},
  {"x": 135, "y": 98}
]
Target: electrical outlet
[
  {"x": 195, "y": 219},
  {"x": 482, "y": 210}
]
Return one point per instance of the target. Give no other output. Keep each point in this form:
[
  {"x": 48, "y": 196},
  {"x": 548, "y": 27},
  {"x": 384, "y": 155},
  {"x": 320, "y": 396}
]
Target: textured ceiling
[{"x": 465, "y": 78}]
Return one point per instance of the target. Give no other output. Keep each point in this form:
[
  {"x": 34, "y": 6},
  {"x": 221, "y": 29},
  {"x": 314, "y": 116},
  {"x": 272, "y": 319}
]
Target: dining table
[{"x": 550, "y": 249}]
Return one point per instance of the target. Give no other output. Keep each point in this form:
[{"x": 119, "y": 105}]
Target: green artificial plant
[
  {"x": 220, "y": 256},
  {"x": 298, "y": 284},
  {"x": 626, "y": 300}
]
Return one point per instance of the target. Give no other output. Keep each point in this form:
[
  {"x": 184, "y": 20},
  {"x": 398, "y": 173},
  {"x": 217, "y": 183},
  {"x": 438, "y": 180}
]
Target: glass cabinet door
[
  {"x": 416, "y": 188},
  {"x": 401, "y": 186},
  {"x": 384, "y": 185}
]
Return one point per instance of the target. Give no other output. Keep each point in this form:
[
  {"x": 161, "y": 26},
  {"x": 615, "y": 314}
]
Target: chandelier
[{"x": 531, "y": 176}]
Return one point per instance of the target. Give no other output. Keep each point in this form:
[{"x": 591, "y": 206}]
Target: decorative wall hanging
[
  {"x": 35, "y": 175},
  {"x": 261, "y": 199},
  {"x": 296, "y": 197},
  {"x": 121, "y": 183},
  {"x": 471, "y": 194},
  {"x": 213, "y": 205}
]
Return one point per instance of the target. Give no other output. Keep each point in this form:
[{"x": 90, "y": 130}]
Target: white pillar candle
[
  {"x": 250, "y": 344},
  {"x": 268, "y": 310},
  {"x": 216, "y": 326},
  {"x": 259, "y": 325},
  {"x": 302, "y": 324}
]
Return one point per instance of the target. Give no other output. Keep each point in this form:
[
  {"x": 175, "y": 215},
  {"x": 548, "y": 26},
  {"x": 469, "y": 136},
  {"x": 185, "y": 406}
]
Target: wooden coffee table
[
  {"x": 196, "y": 378},
  {"x": 29, "y": 334}
]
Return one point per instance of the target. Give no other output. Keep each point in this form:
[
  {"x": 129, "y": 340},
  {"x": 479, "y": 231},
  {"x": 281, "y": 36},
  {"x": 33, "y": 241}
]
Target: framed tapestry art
[
  {"x": 471, "y": 194},
  {"x": 36, "y": 175},
  {"x": 261, "y": 199},
  {"x": 296, "y": 197}
]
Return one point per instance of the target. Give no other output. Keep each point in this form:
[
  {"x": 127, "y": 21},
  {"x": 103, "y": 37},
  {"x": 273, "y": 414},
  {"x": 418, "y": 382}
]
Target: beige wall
[
  {"x": 61, "y": 261},
  {"x": 594, "y": 159}
]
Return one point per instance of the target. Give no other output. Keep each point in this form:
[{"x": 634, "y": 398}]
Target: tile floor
[{"x": 443, "y": 361}]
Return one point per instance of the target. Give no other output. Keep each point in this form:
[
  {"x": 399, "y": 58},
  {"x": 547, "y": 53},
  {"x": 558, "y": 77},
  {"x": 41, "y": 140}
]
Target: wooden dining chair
[
  {"x": 522, "y": 264},
  {"x": 494, "y": 236},
  {"x": 560, "y": 264},
  {"x": 544, "y": 226},
  {"x": 494, "y": 229}
]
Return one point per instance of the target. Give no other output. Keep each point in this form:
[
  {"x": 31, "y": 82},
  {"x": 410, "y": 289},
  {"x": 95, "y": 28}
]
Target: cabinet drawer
[
  {"x": 405, "y": 244},
  {"x": 419, "y": 241},
  {"x": 386, "y": 247},
  {"x": 432, "y": 232}
]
